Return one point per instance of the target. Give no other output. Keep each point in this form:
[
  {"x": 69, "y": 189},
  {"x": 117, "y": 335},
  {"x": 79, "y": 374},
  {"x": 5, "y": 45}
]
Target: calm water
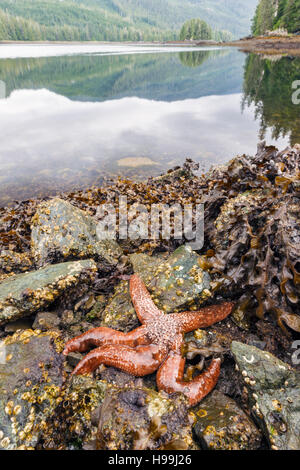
[{"x": 70, "y": 115}]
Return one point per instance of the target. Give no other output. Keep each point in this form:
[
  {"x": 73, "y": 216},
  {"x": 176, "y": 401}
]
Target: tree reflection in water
[{"x": 268, "y": 85}]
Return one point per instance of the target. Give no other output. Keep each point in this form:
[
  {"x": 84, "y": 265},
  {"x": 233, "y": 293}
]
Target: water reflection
[
  {"x": 153, "y": 76},
  {"x": 268, "y": 86},
  {"x": 195, "y": 58},
  {"x": 68, "y": 121}
]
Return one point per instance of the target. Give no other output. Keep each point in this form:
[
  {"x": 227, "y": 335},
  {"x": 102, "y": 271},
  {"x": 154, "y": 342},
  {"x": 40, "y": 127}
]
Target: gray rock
[
  {"x": 223, "y": 425},
  {"x": 68, "y": 318},
  {"x": 30, "y": 381},
  {"x": 180, "y": 281},
  {"x": 46, "y": 321},
  {"x": 61, "y": 231},
  {"x": 22, "y": 324},
  {"x": 274, "y": 395},
  {"x": 146, "y": 265},
  {"x": 74, "y": 358},
  {"x": 28, "y": 293},
  {"x": 119, "y": 313}
]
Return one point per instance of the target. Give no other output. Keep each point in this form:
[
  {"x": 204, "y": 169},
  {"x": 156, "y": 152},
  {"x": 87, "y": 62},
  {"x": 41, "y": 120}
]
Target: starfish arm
[
  {"x": 101, "y": 336},
  {"x": 144, "y": 306},
  {"x": 140, "y": 361},
  {"x": 207, "y": 316},
  {"x": 170, "y": 379}
]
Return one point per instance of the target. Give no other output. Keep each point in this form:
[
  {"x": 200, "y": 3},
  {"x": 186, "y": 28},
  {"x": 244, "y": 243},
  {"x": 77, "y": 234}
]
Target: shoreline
[
  {"x": 267, "y": 45},
  {"x": 116, "y": 43},
  {"x": 258, "y": 45}
]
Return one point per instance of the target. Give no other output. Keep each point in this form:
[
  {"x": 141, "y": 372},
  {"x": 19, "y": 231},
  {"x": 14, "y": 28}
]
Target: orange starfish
[{"x": 157, "y": 344}]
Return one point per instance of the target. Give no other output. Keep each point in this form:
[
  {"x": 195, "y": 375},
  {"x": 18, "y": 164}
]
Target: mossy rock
[
  {"x": 174, "y": 283},
  {"x": 31, "y": 376},
  {"x": 223, "y": 425},
  {"x": 61, "y": 231},
  {"x": 274, "y": 395},
  {"x": 27, "y": 293}
]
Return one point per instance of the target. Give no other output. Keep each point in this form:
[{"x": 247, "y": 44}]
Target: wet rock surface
[
  {"x": 61, "y": 231},
  {"x": 274, "y": 395},
  {"x": 223, "y": 425},
  {"x": 140, "y": 419},
  {"x": 27, "y": 293},
  {"x": 174, "y": 282},
  {"x": 12, "y": 262},
  {"x": 31, "y": 376},
  {"x": 73, "y": 425},
  {"x": 119, "y": 314},
  {"x": 46, "y": 321},
  {"x": 180, "y": 281}
]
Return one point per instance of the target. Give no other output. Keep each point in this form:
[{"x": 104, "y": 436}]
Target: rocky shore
[
  {"x": 58, "y": 280},
  {"x": 269, "y": 45}
]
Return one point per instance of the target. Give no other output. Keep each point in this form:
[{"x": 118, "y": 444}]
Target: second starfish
[{"x": 157, "y": 344}]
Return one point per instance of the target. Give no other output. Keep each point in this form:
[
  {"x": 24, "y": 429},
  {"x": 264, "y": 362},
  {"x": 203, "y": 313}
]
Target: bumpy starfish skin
[{"x": 156, "y": 345}]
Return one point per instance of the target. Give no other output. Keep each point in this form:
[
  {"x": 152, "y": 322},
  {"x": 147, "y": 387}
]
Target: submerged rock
[
  {"x": 30, "y": 382},
  {"x": 223, "y": 425},
  {"x": 274, "y": 395},
  {"x": 27, "y": 293},
  {"x": 140, "y": 419},
  {"x": 61, "y": 231}
]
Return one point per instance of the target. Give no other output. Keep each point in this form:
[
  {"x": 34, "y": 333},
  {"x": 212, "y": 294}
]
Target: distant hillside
[
  {"x": 118, "y": 19},
  {"x": 273, "y": 14}
]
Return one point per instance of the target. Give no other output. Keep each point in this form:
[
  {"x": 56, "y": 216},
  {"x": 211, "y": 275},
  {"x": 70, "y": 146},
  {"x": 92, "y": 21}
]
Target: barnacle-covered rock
[
  {"x": 174, "y": 283},
  {"x": 140, "y": 419},
  {"x": 11, "y": 261},
  {"x": 46, "y": 321},
  {"x": 74, "y": 423},
  {"x": 146, "y": 265},
  {"x": 119, "y": 313},
  {"x": 61, "y": 231},
  {"x": 28, "y": 293},
  {"x": 180, "y": 281},
  {"x": 223, "y": 425},
  {"x": 30, "y": 381},
  {"x": 274, "y": 395}
]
